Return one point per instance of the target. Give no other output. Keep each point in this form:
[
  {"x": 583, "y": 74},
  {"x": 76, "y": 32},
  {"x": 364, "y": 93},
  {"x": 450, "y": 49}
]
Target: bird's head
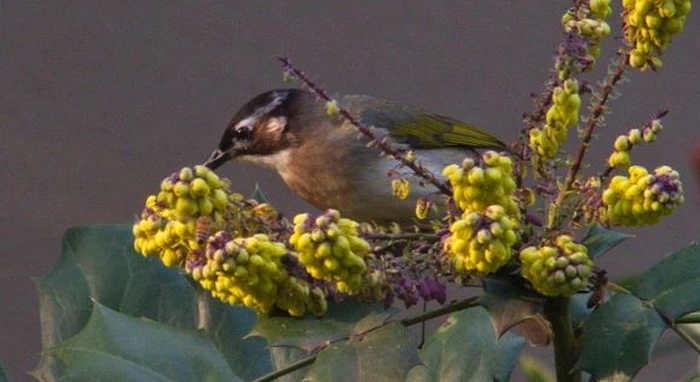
[{"x": 259, "y": 129}]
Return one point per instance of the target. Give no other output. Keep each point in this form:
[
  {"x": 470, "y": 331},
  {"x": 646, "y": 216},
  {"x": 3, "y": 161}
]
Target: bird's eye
[{"x": 243, "y": 133}]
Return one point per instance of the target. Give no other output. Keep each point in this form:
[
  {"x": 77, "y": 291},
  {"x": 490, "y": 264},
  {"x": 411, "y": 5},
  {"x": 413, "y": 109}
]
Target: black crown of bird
[{"x": 321, "y": 158}]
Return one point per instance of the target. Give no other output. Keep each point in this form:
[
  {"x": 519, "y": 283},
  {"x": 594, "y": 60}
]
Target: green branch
[
  {"x": 457, "y": 306},
  {"x": 289, "y": 369},
  {"x": 687, "y": 338},
  {"x": 566, "y": 349},
  {"x": 401, "y": 236}
]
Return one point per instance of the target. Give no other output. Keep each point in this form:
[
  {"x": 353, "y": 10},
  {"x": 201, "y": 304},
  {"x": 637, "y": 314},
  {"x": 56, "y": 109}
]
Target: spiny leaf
[
  {"x": 535, "y": 371},
  {"x": 619, "y": 337},
  {"x": 137, "y": 349},
  {"x": 3, "y": 375},
  {"x": 599, "y": 240},
  {"x": 466, "y": 348},
  {"x": 385, "y": 354},
  {"x": 229, "y": 325},
  {"x": 372, "y": 321},
  {"x": 673, "y": 285},
  {"x": 258, "y": 195},
  {"x": 309, "y": 333},
  {"x": 98, "y": 262},
  {"x": 536, "y": 330},
  {"x": 578, "y": 308},
  {"x": 508, "y": 302}
]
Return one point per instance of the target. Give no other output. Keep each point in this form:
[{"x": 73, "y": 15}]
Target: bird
[{"x": 323, "y": 160}]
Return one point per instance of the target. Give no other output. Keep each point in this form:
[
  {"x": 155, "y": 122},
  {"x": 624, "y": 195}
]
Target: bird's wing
[{"x": 418, "y": 128}]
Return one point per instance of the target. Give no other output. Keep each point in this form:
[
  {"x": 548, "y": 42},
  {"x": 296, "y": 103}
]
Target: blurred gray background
[{"x": 101, "y": 100}]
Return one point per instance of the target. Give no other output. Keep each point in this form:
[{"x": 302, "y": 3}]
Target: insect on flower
[
  {"x": 600, "y": 280},
  {"x": 202, "y": 226}
]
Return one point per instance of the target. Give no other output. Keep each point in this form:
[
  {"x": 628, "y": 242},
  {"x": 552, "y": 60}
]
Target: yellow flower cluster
[
  {"x": 620, "y": 158},
  {"x": 642, "y": 198},
  {"x": 563, "y": 114},
  {"x": 423, "y": 208},
  {"x": 330, "y": 249},
  {"x": 480, "y": 243},
  {"x": 401, "y": 187},
  {"x": 374, "y": 286},
  {"x": 249, "y": 271},
  {"x": 475, "y": 188},
  {"x": 650, "y": 26},
  {"x": 600, "y": 8},
  {"x": 559, "y": 270},
  {"x": 190, "y": 206},
  {"x": 593, "y": 28}
]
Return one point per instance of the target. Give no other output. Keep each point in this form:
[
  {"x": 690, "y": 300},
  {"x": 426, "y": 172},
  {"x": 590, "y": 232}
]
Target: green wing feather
[{"x": 419, "y": 128}]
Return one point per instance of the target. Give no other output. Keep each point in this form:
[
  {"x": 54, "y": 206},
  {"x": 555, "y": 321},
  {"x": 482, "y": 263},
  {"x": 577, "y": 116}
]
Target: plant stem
[
  {"x": 460, "y": 305},
  {"x": 597, "y": 111},
  {"x": 400, "y": 236},
  {"x": 565, "y": 345},
  {"x": 203, "y": 314},
  {"x": 289, "y": 369},
  {"x": 617, "y": 288},
  {"x": 457, "y": 306},
  {"x": 687, "y": 338}
]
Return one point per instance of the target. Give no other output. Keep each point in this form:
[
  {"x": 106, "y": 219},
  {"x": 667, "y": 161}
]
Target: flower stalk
[
  {"x": 381, "y": 143},
  {"x": 594, "y": 120}
]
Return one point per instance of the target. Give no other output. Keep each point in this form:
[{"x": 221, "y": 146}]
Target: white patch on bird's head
[
  {"x": 276, "y": 99},
  {"x": 275, "y": 125}
]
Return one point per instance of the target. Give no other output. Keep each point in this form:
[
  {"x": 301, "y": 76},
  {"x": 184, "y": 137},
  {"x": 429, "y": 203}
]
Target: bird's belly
[{"x": 365, "y": 193}]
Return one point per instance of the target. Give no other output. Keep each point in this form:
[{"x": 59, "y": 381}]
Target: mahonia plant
[{"x": 495, "y": 219}]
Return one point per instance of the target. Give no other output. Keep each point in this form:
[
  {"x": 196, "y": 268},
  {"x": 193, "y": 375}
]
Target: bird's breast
[{"x": 356, "y": 180}]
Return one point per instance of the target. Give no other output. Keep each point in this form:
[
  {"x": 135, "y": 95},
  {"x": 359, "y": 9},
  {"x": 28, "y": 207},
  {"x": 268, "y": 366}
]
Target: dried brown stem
[
  {"x": 381, "y": 143},
  {"x": 593, "y": 121},
  {"x": 401, "y": 236}
]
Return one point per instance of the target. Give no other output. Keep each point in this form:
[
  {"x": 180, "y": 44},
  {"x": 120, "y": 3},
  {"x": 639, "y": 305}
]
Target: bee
[
  {"x": 202, "y": 226},
  {"x": 600, "y": 280}
]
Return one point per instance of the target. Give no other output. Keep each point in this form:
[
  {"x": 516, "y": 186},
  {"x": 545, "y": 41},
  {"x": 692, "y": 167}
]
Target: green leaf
[
  {"x": 673, "y": 285},
  {"x": 600, "y": 240},
  {"x": 619, "y": 337},
  {"x": 578, "y": 308},
  {"x": 509, "y": 303},
  {"x": 3, "y": 375},
  {"x": 113, "y": 346},
  {"x": 535, "y": 371},
  {"x": 308, "y": 332},
  {"x": 466, "y": 348},
  {"x": 258, "y": 195},
  {"x": 385, "y": 354},
  {"x": 98, "y": 262},
  {"x": 293, "y": 338},
  {"x": 229, "y": 325}
]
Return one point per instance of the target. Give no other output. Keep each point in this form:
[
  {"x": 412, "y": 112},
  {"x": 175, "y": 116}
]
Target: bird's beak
[{"x": 217, "y": 158}]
